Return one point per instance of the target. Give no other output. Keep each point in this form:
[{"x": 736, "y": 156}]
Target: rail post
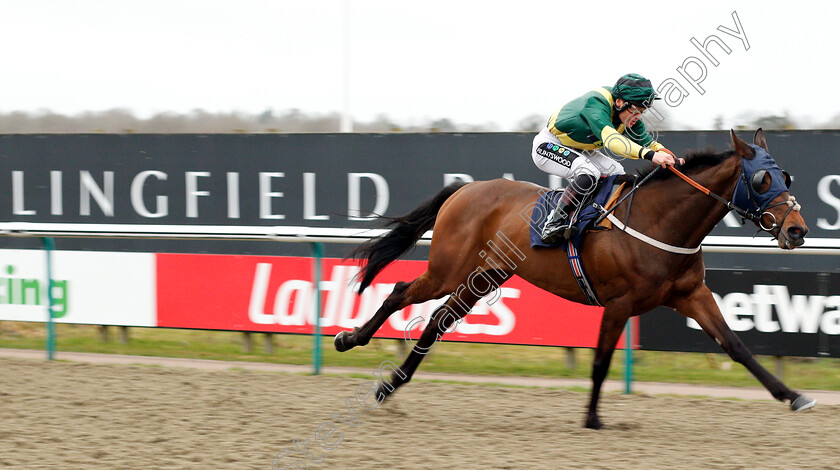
[
  {"x": 49, "y": 246},
  {"x": 628, "y": 357},
  {"x": 317, "y": 254}
]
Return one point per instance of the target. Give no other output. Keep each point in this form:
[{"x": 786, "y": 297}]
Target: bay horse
[{"x": 629, "y": 276}]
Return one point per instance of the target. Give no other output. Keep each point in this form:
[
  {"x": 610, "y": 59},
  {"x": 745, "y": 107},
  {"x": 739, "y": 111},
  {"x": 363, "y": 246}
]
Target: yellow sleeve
[
  {"x": 620, "y": 145},
  {"x": 655, "y": 146}
]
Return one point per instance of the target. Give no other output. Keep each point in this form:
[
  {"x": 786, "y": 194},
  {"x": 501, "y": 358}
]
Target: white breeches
[{"x": 553, "y": 157}]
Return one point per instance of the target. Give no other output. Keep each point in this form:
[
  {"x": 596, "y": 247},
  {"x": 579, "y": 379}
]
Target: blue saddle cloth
[{"x": 585, "y": 216}]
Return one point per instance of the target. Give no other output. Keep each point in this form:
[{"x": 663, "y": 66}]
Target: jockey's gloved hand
[
  {"x": 664, "y": 159},
  {"x": 681, "y": 161}
]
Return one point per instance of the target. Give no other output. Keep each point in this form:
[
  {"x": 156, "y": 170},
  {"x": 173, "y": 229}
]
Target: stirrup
[{"x": 553, "y": 234}]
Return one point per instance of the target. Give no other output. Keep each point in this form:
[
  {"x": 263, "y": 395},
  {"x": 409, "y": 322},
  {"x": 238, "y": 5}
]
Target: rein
[
  {"x": 607, "y": 214},
  {"x": 744, "y": 214},
  {"x": 755, "y": 217}
]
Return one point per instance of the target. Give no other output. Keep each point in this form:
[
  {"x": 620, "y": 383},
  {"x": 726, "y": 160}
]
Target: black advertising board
[
  {"x": 788, "y": 306},
  {"x": 320, "y": 180},
  {"x": 779, "y": 313}
]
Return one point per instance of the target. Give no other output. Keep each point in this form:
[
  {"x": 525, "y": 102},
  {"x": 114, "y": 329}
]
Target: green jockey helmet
[{"x": 635, "y": 89}]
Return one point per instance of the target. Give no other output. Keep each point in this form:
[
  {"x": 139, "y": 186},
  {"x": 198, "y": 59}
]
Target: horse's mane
[{"x": 694, "y": 160}]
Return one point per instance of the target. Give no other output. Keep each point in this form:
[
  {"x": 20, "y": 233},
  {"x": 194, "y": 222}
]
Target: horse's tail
[{"x": 383, "y": 250}]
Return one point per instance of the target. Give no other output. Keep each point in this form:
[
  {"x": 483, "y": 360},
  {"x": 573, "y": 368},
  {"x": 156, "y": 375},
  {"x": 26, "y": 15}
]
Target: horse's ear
[
  {"x": 760, "y": 140},
  {"x": 743, "y": 149}
]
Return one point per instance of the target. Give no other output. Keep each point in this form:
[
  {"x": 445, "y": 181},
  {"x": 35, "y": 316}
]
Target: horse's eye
[
  {"x": 788, "y": 179},
  {"x": 757, "y": 180}
]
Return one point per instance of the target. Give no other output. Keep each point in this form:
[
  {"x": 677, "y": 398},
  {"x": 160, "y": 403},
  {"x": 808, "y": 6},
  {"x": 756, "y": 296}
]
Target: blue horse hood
[{"x": 745, "y": 197}]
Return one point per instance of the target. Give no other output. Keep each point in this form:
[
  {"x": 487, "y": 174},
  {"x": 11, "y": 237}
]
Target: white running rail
[{"x": 712, "y": 244}]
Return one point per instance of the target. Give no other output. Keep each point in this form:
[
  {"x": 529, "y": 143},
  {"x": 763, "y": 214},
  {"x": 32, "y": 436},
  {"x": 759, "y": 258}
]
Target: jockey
[{"x": 570, "y": 145}]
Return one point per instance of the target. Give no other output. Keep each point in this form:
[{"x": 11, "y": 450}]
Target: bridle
[
  {"x": 746, "y": 191},
  {"x": 792, "y": 206},
  {"x": 757, "y": 213}
]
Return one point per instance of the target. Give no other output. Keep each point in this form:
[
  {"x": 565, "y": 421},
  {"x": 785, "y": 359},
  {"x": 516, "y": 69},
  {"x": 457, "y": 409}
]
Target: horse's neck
[{"x": 682, "y": 215}]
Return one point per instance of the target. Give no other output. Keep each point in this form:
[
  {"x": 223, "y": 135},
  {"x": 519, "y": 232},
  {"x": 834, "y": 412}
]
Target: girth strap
[{"x": 580, "y": 275}]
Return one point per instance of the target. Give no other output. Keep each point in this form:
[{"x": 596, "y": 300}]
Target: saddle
[{"x": 583, "y": 217}]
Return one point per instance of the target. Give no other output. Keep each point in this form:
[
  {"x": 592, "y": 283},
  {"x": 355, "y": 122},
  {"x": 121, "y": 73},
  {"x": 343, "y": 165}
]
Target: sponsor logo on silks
[
  {"x": 21, "y": 291},
  {"x": 549, "y": 150},
  {"x": 793, "y": 313}
]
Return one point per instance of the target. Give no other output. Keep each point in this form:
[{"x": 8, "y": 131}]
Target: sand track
[{"x": 72, "y": 415}]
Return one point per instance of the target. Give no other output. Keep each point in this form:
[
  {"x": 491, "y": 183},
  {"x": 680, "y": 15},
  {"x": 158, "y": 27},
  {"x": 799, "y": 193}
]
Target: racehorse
[{"x": 629, "y": 276}]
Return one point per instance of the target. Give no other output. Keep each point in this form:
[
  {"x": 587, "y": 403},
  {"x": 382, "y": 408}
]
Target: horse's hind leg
[
  {"x": 442, "y": 319},
  {"x": 403, "y": 295},
  {"x": 346, "y": 340}
]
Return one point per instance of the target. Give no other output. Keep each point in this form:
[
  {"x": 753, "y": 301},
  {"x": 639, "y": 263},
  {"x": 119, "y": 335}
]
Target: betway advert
[
  {"x": 779, "y": 313},
  {"x": 276, "y": 294}
]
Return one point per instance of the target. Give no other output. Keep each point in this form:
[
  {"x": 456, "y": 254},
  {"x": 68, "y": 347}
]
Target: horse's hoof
[
  {"x": 341, "y": 341},
  {"x": 382, "y": 393},
  {"x": 802, "y": 403},
  {"x": 592, "y": 422}
]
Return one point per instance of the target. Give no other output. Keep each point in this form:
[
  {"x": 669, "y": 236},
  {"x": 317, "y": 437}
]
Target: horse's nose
[{"x": 796, "y": 233}]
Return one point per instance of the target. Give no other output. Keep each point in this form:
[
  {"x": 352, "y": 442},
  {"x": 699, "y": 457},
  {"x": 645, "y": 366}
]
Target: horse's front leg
[
  {"x": 701, "y": 306},
  {"x": 612, "y": 324}
]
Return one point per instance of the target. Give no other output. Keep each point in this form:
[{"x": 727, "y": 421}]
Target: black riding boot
[{"x": 559, "y": 222}]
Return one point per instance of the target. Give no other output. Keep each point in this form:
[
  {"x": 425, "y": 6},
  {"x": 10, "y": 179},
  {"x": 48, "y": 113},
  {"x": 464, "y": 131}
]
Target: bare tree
[
  {"x": 775, "y": 122},
  {"x": 531, "y": 123}
]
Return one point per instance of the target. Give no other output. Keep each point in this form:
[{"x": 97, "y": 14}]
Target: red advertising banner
[{"x": 275, "y": 294}]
